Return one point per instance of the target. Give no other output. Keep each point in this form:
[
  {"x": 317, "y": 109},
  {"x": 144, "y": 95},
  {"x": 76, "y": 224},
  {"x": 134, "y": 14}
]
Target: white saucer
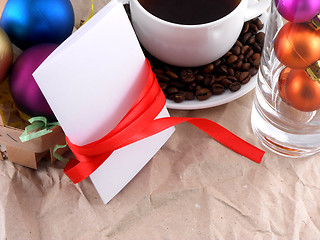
[{"x": 217, "y": 100}]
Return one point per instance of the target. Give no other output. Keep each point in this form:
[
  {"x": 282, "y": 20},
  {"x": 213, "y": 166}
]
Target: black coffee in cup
[{"x": 189, "y": 12}]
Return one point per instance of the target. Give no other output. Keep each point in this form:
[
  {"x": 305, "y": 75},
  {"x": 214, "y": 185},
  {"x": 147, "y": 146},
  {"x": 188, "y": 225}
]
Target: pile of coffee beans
[{"x": 228, "y": 73}]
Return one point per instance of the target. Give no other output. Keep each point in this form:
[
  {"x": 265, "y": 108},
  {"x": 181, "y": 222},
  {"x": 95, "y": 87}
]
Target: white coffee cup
[{"x": 192, "y": 45}]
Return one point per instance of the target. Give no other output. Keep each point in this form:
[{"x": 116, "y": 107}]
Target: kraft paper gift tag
[{"x": 90, "y": 81}]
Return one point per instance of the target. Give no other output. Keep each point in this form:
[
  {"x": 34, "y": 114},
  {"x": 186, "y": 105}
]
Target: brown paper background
[{"x": 193, "y": 188}]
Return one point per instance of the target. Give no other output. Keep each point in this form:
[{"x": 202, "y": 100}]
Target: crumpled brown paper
[{"x": 193, "y": 188}]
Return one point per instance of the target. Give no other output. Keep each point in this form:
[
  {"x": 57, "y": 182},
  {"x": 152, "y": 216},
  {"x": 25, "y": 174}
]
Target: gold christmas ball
[{"x": 6, "y": 54}]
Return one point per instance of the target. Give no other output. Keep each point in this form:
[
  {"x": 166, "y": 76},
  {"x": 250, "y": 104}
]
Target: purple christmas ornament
[
  {"x": 24, "y": 89},
  {"x": 298, "y": 11}
]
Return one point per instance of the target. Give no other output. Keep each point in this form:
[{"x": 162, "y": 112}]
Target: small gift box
[{"x": 13, "y": 123}]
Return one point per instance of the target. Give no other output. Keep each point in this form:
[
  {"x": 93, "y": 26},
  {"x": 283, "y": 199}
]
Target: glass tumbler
[{"x": 286, "y": 109}]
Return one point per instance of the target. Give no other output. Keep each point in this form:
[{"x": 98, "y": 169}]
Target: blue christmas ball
[{"x": 31, "y": 22}]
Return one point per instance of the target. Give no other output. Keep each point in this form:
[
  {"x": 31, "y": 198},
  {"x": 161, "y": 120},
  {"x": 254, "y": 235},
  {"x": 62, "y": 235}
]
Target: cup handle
[{"x": 256, "y": 8}]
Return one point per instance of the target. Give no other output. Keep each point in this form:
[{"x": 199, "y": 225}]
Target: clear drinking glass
[{"x": 285, "y": 114}]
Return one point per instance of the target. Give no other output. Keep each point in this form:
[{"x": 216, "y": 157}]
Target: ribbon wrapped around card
[
  {"x": 109, "y": 104},
  {"x": 140, "y": 123}
]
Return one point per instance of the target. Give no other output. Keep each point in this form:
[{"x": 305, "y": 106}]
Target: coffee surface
[{"x": 189, "y": 12}]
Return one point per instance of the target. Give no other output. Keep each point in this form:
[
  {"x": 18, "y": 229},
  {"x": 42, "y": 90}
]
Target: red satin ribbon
[{"x": 140, "y": 123}]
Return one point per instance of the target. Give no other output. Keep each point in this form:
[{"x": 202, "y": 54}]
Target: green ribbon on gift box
[
  {"x": 58, "y": 156},
  {"x": 38, "y": 127}
]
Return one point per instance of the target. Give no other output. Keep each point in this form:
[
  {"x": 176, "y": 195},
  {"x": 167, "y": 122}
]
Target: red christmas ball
[
  {"x": 297, "y": 45},
  {"x": 301, "y": 91}
]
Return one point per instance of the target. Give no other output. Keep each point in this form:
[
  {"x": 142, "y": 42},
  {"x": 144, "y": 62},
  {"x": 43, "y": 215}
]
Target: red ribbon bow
[{"x": 140, "y": 123}]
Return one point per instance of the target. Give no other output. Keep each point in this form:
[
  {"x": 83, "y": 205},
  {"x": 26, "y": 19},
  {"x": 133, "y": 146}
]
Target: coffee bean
[
  {"x": 208, "y": 80},
  {"x": 256, "y": 56},
  {"x": 231, "y": 59},
  {"x": 231, "y": 71},
  {"x": 248, "y": 53},
  {"x": 245, "y": 28},
  {"x": 253, "y": 71},
  {"x": 158, "y": 71},
  {"x": 208, "y": 68},
  {"x": 244, "y": 49},
  {"x": 256, "y": 63},
  {"x": 171, "y": 75},
  {"x": 172, "y": 90},
  {"x": 228, "y": 54},
  {"x": 238, "y": 43},
  {"x": 220, "y": 78},
  {"x": 163, "y": 86},
  {"x": 246, "y": 37},
  {"x": 258, "y": 23},
  {"x": 217, "y": 89},
  {"x": 189, "y": 95},
  {"x": 224, "y": 69},
  {"x": 256, "y": 47},
  {"x": 179, "y": 97},
  {"x": 203, "y": 94},
  {"x": 236, "y": 50},
  {"x": 260, "y": 37},
  {"x": 238, "y": 65},
  {"x": 226, "y": 82},
  {"x": 170, "y": 97},
  {"x": 245, "y": 66},
  {"x": 251, "y": 40},
  {"x": 162, "y": 78},
  {"x": 217, "y": 63},
  {"x": 253, "y": 27},
  {"x": 246, "y": 80},
  {"x": 243, "y": 76},
  {"x": 178, "y": 84},
  {"x": 241, "y": 57},
  {"x": 187, "y": 76},
  {"x": 235, "y": 86},
  {"x": 232, "y": 78},
  {"x": 199, "y": 78},
  {"x": 191, "y": 87}
]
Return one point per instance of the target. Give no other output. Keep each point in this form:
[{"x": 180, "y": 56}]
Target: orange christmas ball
[
  {"x": 281, "y": 81},
  {"x": 301, "y": 91},
  {"x": 297, "y": 45}
]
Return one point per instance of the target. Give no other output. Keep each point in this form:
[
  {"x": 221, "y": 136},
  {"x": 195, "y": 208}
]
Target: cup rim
[{"x": 202, "y": 25}]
